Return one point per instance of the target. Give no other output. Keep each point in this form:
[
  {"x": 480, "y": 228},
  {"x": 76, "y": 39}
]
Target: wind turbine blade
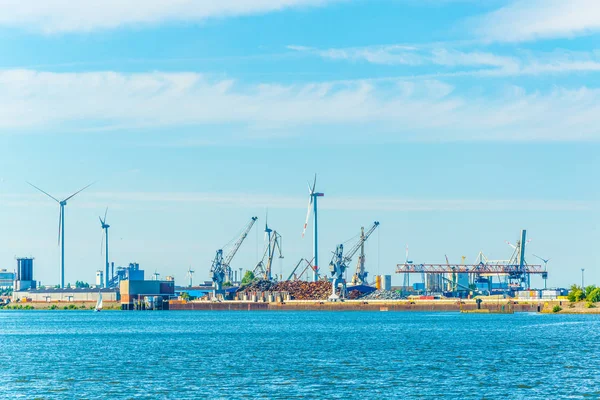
[
  {"x": 49, "y": 195},
  {"x": 102, "y": 222},
  {"x": 510, "y": 244},
  {"x": 314, "y": 183},
  {"x": 307, "y": 216},
  {"x": 406, "y": 261},
  {"x": 105, "y": 212},
  {"x": 79, "y": 191}
]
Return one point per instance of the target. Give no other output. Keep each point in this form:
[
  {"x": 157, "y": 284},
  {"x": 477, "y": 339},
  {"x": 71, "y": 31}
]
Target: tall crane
[
  {"x": 220, "y": 268},
  {"x": 360, "y": 276},
  {"x": 263, "y": 268},
  {"x": 339, "y": 264}
]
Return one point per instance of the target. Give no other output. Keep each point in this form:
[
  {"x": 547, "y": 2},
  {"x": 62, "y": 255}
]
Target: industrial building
[
  {"x": 7, "y": 279},
  {"x": 24, "y": 276},
  {"x": 130, "y": 273},
  {"x": 99, "y": 278},
  {"x": 72, "y": 295},
  {"x": 144, "y": 295}
]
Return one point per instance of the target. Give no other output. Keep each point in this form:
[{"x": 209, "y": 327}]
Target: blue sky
[{"x": 453, "y": 123}]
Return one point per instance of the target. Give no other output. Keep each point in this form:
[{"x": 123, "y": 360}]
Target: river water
[{"x": 194, "y": 354}]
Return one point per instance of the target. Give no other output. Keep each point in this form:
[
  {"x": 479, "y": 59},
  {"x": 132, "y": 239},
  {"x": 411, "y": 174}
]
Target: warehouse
[{"x": 66, "y": 295}]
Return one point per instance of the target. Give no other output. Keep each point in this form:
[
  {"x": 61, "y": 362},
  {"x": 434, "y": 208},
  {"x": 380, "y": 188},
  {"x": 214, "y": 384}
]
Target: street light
[{"x": 582, "y": 286}]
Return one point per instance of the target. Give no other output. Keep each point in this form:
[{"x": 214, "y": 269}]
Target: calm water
[{"x": 190, "y": 355}]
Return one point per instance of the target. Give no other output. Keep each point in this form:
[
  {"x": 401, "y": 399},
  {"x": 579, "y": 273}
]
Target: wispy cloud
[
  {"x": 124, "y": 200},
  {"x": 457, "y": 62},
  {"x": 55, "y": 16},
  {"x": 526, "y": 20},
  {"x": 394, "y": 109},
  {"x": 411, "y": 55}
]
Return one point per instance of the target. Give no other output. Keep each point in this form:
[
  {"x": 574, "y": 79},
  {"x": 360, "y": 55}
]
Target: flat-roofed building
[
  {"x": 146, "y": 294},
  {"x": 67, "y": 295},
  {"x": 7, "y": 279}
]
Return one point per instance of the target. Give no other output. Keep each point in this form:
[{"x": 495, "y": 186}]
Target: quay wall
[{"x": 357, "y": 305}]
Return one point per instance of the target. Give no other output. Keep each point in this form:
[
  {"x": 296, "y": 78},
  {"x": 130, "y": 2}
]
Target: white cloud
[
  {"x": 526, "y": 20},
  {"x": 394, "y": 109},
  {"x": 455, "y": 62},
  {"x": 53, "y": 16}
]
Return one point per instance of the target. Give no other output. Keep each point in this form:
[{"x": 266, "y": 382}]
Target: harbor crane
[
  {"x": 263, "y": 268},
  {"x": 360, "y": 276},
  {"x": 339, "y": 264},
  {"x": 220, "y": 268}
]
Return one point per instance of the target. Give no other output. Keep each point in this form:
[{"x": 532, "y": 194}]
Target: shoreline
[{"x": 464, "y": 306}]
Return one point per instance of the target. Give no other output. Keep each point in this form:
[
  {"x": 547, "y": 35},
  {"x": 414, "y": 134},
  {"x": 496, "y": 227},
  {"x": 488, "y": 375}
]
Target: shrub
[
  {"x": 53, "y": 307},
  {"x": 575, "y": 294},
  {"x": 556, "y": 308},
  {"x": 592, "y": 296},
  {"x": 589, "y": 304}
]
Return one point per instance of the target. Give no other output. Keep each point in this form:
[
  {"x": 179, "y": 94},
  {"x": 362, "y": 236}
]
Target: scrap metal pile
[
  {"x": 298, "y": 290},
  {"x": 382, "y": 295}
]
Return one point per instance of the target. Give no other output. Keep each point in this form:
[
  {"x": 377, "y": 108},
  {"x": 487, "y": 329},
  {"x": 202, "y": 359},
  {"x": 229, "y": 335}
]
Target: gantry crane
[
  {"x": 274, "y": 243},
  {"x": 220, "y": 268},
  {"x": 339, "y": 264}
]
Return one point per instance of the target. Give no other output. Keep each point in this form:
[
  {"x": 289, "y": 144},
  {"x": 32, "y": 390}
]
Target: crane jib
[{"x": 354, "y": 249}]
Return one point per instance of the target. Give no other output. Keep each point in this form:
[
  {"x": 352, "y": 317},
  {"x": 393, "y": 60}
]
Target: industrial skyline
[{"x": 455, "y": 132}]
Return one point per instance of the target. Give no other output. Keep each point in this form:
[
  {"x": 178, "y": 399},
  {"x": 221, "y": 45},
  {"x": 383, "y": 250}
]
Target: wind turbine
[
  {"x": 61, "y": 227},
  {"x": 544, "y": 261},
  {"x": 105, "y": 227},
  {"x": 545, "y": 274},
  {"x": 189, "y": 275},
  {"x": 312, "y": 201}
]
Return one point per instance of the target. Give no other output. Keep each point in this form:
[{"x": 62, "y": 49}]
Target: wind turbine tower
[
  {"x": 105, "y": 227},
  {"x": 190, "y": 273},
  {"x": 312, "y": 206},
  {"x": 61, "y": 227}
]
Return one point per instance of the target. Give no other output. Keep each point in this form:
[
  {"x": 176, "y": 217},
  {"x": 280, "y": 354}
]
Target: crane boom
[
  {"x": 220, "y": 268},
  {"x": 362, "y": 240},
  {"x": 239, "y": 242}
]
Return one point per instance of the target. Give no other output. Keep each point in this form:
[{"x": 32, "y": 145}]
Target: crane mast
[
  {"x": 360, "y": 276},
  {"x": 265, "y": 269},
  {"x": 339, "y": 264},
  {"x": 220, "y": 268}
]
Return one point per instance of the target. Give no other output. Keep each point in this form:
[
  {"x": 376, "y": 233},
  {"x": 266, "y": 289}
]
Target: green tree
[
  {"x": 248, "y": 278},
  {"x": 592, "y": 294},
  {"x": 81, "y": 284},
  {"x": 576, "y": 294},
  {"x": 185, "y": 296}
]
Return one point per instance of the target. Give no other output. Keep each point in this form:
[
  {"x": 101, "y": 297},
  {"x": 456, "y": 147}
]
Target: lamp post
[{"x": 582, "y": 270}]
